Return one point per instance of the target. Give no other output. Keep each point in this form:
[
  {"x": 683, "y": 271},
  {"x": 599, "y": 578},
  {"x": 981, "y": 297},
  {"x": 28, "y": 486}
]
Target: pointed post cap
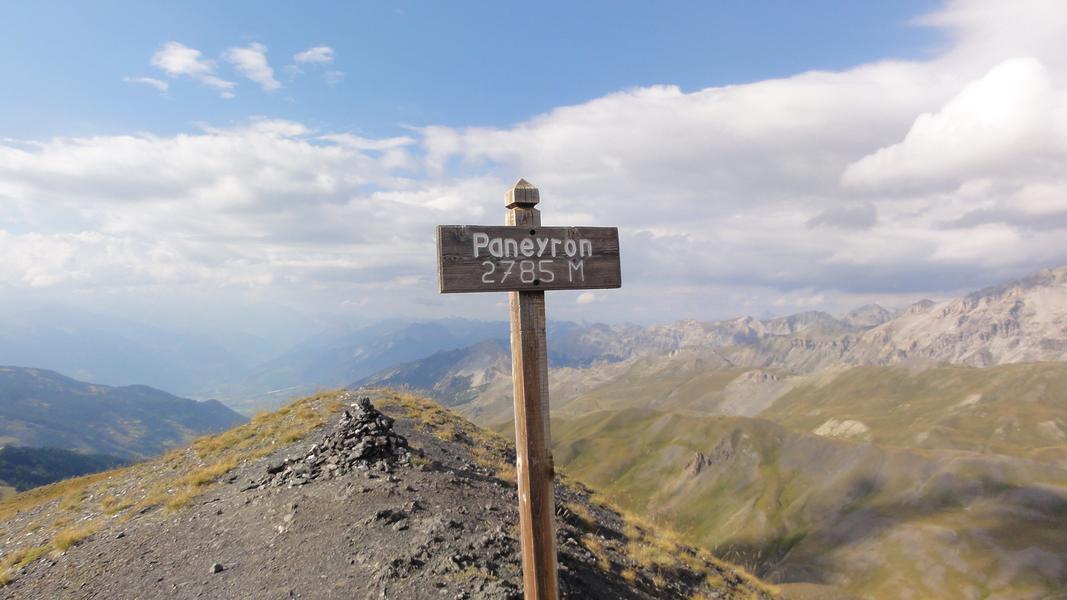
[{"x": 524, "y": 194}]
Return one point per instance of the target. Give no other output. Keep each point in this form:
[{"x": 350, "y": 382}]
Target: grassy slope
[
  {"x": 1017, "y": 410},
  {"x": 935, "y": 514},
  {"x": 798, "y": 507},
  {"x": 51, "y": 519}
]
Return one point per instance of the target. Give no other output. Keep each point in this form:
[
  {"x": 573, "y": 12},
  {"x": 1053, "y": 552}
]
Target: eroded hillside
[{"x": 877, "y": 522}]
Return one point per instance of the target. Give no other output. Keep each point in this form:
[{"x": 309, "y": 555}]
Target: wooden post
[
  {"x": 525, "y": 259},
  {"x": 533, "y": 463}
]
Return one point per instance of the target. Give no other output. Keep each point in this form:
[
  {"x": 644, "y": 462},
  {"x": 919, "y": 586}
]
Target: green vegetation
[
  {"x": 25, "y": 468},
  {"x": 782, "y": 503},
  {"x": 1017, "y": 410}
]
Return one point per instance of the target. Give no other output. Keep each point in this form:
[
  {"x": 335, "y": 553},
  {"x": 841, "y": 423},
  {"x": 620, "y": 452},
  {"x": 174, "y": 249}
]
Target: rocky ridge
[
  {"x": 444, "y": 527},
  {"x": 362, "y": 440}
]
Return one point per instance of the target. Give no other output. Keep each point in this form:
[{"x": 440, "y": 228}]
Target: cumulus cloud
[
  {"x": 267, "y": 203},
  {"x": 1009, "y": 112},
  {"x": 884, "y": 182},
  {"x": 251, "y": 61},
  {"x": 316, "y": 55},
  {"x": 894, "y": 176},
  {"x": 178, "y": 60}
]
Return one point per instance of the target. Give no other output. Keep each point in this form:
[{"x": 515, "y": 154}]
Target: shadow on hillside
[{"x": 1001, "y": 518}]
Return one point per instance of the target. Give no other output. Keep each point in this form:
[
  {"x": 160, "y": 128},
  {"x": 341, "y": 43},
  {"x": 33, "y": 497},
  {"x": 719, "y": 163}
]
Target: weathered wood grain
[
  {"x": 526, "y": 259},
  {"x": 485, "y": 258},
  {"x": 533, "y": 456}
]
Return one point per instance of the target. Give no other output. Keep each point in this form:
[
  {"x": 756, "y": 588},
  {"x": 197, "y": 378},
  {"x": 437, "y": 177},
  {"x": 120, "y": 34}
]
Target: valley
[{"x": 916, "y": 453}]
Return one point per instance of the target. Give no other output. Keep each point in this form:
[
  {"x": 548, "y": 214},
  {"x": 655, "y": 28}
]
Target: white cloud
[
  {"x": 178, "y": 60},
  {"x": 316, "y": 55},
  {"x": 884, "y": 182},
  {"x": 362, "y": 143},
  {"x": 159, "y": 84},
  {"x": 266, "y": 204},
  {"x": 251, "y": 61},
  {"x": 1007, "y": 114},
  {"x": 585, "y": 298}
]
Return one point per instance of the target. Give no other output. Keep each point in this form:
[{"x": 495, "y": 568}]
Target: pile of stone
[{"x": 363, "y": 441}]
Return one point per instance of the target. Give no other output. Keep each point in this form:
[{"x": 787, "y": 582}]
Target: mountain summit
[{"x": 330, "y": 498}]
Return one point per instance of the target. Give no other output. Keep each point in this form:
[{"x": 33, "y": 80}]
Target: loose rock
[{"x": 363, "y": 440}]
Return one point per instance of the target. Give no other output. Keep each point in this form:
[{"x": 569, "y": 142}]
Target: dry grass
[
  {"x": 73, "y": 500},
  {"x": 662, "y": 550},
  {"x": 19, "y": 559},
  {"x": 594, "y": 545},
  {"x": 208, "y": 474},
  {"x": 73, "y": 535},
  {"x": 181, "y": 498},
  {"x": 489, "y": 449},
  {"x": 586, "y": 520},
  {"x": 255, "y": 439},
  {"x": 113, "y": 504},
  {"x": 172, "y": 481},
  {"x": 651, "y": 546},
  {"x": 68, "y": 488}
]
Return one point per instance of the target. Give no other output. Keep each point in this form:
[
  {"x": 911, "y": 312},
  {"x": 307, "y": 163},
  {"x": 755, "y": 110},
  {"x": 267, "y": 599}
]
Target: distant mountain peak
[{"x": 868, "y": 315}]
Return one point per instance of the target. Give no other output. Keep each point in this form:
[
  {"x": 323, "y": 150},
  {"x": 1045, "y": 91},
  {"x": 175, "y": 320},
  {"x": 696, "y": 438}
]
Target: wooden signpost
[{"x": 526, "y": 259}]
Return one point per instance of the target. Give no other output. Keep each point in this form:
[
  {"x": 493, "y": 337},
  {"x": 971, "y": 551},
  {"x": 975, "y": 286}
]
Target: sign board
[
  {"x": 526, "y": 259},
  {"x": 477, "y": 258}
]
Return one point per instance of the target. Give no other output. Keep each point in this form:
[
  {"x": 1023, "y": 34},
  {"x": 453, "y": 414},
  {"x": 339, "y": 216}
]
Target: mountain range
[
  {"x": 42, "y": 408},
  {"x": 1023, "y": 321},
  {"x": 886, "y": 454}
]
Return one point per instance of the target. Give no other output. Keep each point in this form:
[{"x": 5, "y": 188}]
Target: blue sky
[
  {"x": 255, "y": 159},
  {"x": 433, "y": 63}
]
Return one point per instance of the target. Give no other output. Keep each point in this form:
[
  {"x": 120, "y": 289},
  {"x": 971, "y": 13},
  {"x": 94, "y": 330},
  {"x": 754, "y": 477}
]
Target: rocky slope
[
  {"x": 43, "y": 408},
  {"x": 1021, "y": 321},
  {"x": 309, "y": 502}
]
